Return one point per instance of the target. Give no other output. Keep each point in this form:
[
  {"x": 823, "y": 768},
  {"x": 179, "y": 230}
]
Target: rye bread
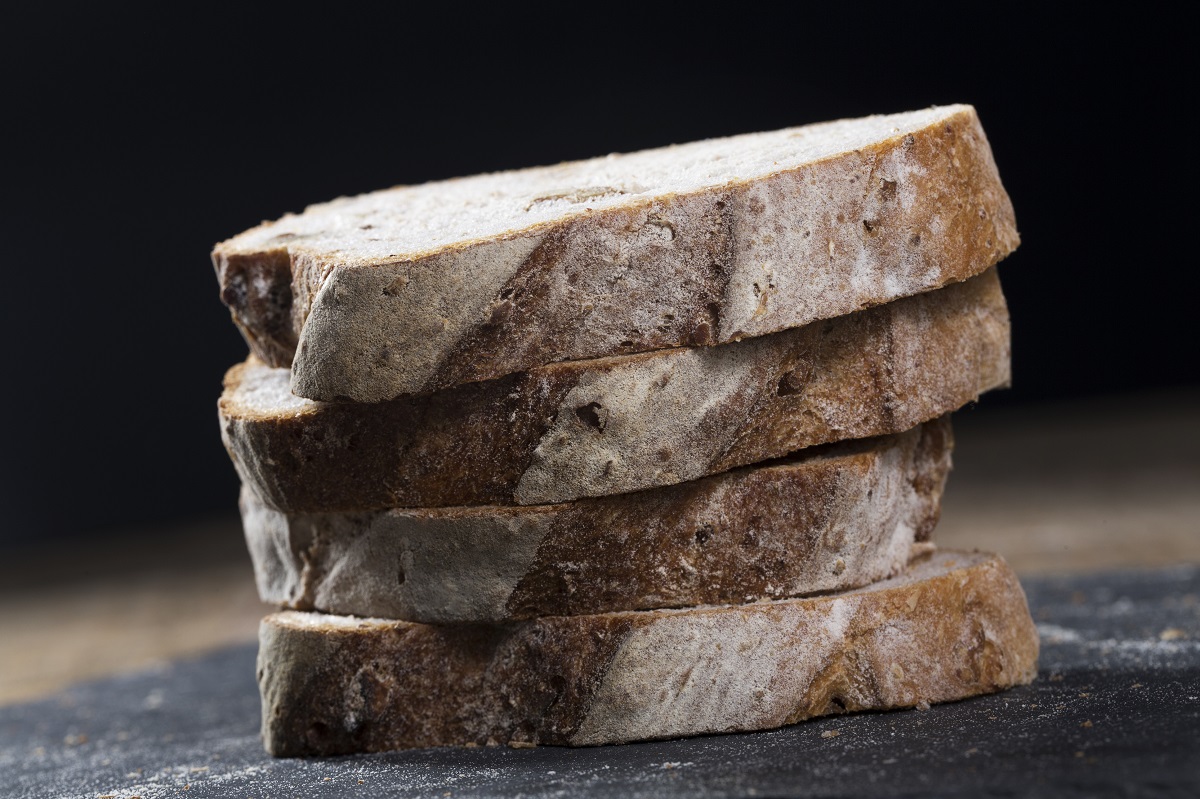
[
  {"x": 616, "y": 425},
  {"x": 954, "y": 625},
  {"x": 418, "y": 288},
  {"x": 844, "y": 516}
]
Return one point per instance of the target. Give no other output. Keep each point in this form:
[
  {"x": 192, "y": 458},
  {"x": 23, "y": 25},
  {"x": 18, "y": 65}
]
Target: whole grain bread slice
[
  {"x": 838, "y": 518},
  {"x": 418, "y": 288},
  {"x": 954, "y": 625},
  {"x": 616, "y": 425}
]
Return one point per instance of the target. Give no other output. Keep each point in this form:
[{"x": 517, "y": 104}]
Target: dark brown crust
[
  {"x": 390, "y": 684},
  {"x": 462, "y": 446},
  {"x": 670, "y": 548},
  {"x": 956, "y": 626},
  {"x": 883, "y": 370},
  {"x": 532, "y": 322},
  {"x": 882, "y": 373}
]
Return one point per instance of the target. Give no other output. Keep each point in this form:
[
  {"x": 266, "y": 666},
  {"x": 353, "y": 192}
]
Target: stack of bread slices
[{"x": 638, "y": 447}]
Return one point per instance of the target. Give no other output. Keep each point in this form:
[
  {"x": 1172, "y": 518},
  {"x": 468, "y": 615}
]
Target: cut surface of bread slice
[
  {"x": 617, "y": 425},
  {"x": 953, "y": 625},
  {"x": 844, "y": 517},
  {"x": 417, "y": 288}
]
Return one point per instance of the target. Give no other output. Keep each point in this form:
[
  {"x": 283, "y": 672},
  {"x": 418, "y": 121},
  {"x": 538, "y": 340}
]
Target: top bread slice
[{"x": 413, "y": 289}]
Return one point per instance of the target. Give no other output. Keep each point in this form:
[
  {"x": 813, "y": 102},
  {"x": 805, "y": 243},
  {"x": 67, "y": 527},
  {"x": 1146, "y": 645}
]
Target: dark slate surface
[{"x": 1115, "y": 712}]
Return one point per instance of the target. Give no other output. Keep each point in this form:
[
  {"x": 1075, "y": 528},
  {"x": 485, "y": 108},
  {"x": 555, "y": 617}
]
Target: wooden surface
[
  {"x": 1065, "y": 488},
  {"x": 1078, "y": 487}
]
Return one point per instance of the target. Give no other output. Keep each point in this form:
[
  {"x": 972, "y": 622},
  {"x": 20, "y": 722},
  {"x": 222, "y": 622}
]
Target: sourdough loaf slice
[
  {"x": 616, "y": 425},
  {"x": 954, "y": 625},
  {"x": 418, "y": 288},
  {"x": 838, "y": 518}
]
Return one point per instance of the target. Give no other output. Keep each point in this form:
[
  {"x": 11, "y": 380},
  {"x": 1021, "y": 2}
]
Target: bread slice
[
  {"x": 839, "y": 518},
  {"x": 954, "y": 625},
  {"x": 418, "y": 288},
  {"x": 616, "y": 425}
]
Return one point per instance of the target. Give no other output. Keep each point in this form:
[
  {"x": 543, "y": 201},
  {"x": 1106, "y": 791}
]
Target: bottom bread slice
[{"x": 953, "y": 625}]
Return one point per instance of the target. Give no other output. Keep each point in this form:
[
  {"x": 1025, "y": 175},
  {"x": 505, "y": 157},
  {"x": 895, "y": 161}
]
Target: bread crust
[
  {"x": 918, "y": 207},
  {"x": 954, "y": 625},
  {"x": 617, "y": 425},
  {"x": 836, "y": 519}
]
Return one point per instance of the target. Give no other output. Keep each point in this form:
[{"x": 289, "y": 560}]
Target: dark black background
[{"x": 137, "y": 137}]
